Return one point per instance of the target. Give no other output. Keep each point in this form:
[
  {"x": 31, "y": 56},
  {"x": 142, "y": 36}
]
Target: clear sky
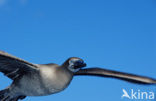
[{"x": 112, "y": 34}]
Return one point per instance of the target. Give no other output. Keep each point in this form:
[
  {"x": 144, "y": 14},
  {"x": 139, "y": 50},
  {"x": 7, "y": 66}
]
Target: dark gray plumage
[
  {"x": 95, "y": 71},
  {"x": 13, "y": 67},
  {"x": 44, "y": 79}
]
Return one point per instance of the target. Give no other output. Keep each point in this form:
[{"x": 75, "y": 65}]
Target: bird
[{"x": 30, "y": 79}]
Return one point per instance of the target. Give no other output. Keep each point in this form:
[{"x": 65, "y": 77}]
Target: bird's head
[{"x": 74, "y": 64}]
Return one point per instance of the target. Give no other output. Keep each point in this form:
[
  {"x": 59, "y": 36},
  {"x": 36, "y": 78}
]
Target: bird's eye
[{"x": 79, "y": 62}]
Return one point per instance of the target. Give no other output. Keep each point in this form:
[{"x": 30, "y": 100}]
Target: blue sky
[{"x": 112, "y": 34}]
